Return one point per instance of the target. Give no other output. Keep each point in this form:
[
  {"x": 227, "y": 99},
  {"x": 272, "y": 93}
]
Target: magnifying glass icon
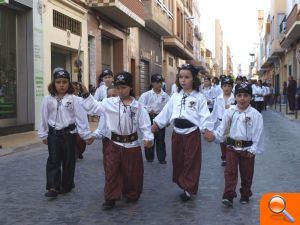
[{"x": 277, "y": 205}]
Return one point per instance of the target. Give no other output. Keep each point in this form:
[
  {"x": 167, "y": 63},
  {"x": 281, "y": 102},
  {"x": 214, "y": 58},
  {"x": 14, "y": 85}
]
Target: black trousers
[
  {"x": 60, "y": 167},
  {"x": 159, "y": 144},
  {"x": 259, "y": 105}
]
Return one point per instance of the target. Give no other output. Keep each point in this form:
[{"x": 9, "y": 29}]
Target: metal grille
[{"x": 64, "y": 22}]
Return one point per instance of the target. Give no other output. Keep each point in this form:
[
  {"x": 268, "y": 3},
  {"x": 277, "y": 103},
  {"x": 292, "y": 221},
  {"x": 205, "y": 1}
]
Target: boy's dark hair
[
  {"x": 194, "y": 71},
  {"x": 53, "y": 92}
]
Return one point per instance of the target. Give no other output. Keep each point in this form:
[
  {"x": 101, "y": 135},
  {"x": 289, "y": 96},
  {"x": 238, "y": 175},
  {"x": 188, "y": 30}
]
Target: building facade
[
  {"x": 272, "y": 55},
  {"x": 219, "y": 46},
  {"x": 17, "y": 108},
  {"x": 178, "y": 47},
  {"x": 113, "y": 39}
]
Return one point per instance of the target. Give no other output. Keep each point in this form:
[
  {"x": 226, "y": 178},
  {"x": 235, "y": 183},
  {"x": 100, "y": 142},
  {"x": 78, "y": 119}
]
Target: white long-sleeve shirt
[
  {"x": 154, "y": 102},
  {"x": 266, "y": 90},
  {"x": 219, "y": 106},
  {"x": 120, "y": 119},
  {"x": 61, "y": 114},
  {"x": 210, "y": 95},
  {"x": 243, "y": 126},
  {"x": 173, "y": 89},
  {"x": 101, "y": 93},
  {"x": 217, "y": 89},
  {"x": 193, "y": 108},
  {"x": 258, "y": 93}
]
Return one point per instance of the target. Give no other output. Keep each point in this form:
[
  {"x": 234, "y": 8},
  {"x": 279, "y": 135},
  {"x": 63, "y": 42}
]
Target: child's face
[
  {"x": 243, "y": 100},
  {"x": 207, "y": 83},
  {"x": 112, "y": 93},
  {"x": 157, "y": 85},
  {"x": 123, "y": 91},
  {"x": 108, "y": 80},
  {"x": 186, "y": 79},
  {"x": 227, "y": 88},
  {"x": 61, "y": 85}
]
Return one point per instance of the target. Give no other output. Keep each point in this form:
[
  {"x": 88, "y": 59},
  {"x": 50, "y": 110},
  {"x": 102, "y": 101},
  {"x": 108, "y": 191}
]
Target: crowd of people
[{"x": 220, "y": 110}]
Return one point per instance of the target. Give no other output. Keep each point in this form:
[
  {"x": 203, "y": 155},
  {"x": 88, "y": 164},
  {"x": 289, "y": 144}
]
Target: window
[
  {"x": 189, "y": 35},
  {"x": 171, "y": 61},
  {"x": 179, "y": 24},
  {"x": 64, "y": 22}
]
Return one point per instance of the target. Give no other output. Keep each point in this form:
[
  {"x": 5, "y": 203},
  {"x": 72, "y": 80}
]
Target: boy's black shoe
[
  {"x": 244, "y": 200},
  {"x": 184, "y": 197},
  {"x": 51, "y": 194},
  {"x": 163, "y": 162},
  {"x": 150, "y": 160},
  {"x": 227, "y": 202},
  {"x": 223, "y": 163},
  {"x": 108, "y": 205},
  {"x": 131, "y": 200}
]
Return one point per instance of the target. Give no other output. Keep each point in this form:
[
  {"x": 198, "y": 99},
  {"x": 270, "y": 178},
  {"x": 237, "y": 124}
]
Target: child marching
[
  {"x": 124, "y": 116},
  {"x": 245, "y": 126},
  {"x": 101, "y": 91},
  {"x": 223, "y": 101},
  {"x": 61, "y": 118},
  {"x": 209, "y": 92},
  {"x": 187, "y": 110},
  {"x": 154, "y": 101}
]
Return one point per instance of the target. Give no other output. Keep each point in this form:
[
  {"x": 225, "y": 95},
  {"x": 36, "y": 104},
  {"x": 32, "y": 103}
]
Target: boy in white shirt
[
  {"x": 223, "y": 102},
  {"x": 124, "y": 171},
  {"x": 154, "y": 101},
  {"x": 245, "y": 140},
  {"x": 101, "y": 91},
  {"x": 208, "y": 91}
]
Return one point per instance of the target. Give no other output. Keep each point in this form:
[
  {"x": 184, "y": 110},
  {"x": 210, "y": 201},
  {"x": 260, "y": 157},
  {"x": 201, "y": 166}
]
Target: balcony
[
  {"x": 176, "y": 47},
  {"x": 127, "y": 13},
  {"x": 292, "y": 27},
  {"x": 158, "y": 17}
]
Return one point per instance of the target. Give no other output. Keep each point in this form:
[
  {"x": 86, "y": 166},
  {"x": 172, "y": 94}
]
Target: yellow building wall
[{"x": 61, "y": 39}]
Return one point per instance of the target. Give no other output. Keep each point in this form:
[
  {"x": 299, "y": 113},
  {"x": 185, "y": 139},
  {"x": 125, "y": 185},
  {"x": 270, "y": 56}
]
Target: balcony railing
[
  {"x": 127, "y": 13},
  {"x": 292, "y": 18}
]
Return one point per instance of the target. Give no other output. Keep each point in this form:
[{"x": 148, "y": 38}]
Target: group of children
[{"x": 122, "y": 119}]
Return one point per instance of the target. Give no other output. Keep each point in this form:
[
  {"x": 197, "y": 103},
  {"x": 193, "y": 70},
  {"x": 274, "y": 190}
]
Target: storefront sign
[{"x": 38, "y": 56}]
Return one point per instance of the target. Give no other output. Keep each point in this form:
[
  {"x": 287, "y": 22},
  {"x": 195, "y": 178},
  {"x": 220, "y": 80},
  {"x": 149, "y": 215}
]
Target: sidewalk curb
[{"x": 14, "y": 150}]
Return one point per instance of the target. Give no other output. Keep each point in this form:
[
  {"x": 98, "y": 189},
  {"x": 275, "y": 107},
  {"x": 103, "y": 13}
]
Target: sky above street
[{"x": 239, "y": 24}]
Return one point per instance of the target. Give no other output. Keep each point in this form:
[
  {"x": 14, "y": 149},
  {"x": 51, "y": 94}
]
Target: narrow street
[{"x": 22, "y": 178}]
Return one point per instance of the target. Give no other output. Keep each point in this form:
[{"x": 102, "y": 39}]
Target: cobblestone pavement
[{"x": 22, "y": 179}]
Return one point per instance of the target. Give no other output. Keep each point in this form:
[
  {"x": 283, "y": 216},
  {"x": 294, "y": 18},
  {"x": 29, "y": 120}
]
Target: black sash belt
[
  {"x": 124, "y": 138},
  {"x": 183, "y": 123},
  {"x": 63, "y": 131},
  {"x": 238, "y": 143}
]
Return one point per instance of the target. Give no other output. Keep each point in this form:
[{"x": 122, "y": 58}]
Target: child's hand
[
  {"x": 148, "y": 144},
  {"x": 90, "y": 140},
  {"x": 209, "y": 136},
  {"x": 45, "y": 141},
  {"x": 154, "y": 128},
  {"x": 227, "y": 106}
]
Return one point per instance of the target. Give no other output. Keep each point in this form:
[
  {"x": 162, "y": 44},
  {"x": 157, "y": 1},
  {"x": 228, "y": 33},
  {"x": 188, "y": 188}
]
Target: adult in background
[
  {"x": 284, "y": 92},
  {"x": 291, "y": 93}
]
